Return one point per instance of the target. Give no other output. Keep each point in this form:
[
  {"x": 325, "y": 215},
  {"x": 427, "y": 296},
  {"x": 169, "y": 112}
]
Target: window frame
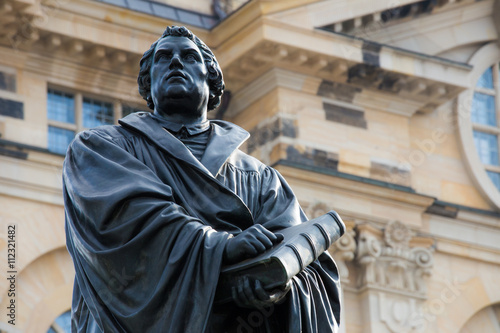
[
  {"x": 78, "y": 97},
  {"x": 484, "y": 58},
  {"x": 495, "y": 130}
]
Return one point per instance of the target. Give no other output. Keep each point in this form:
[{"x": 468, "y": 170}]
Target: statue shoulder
[
  {"x": 112, "y": 134},
  {"x": 245, "y": 162},
  {"x": 109, "y": 131}
]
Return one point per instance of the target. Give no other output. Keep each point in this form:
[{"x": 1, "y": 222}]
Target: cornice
[
  {"x": 476, "y": 252},
  {"x": 394, "y": 193},
  {"x": 314, "y": 14},
  {"x": 250, "y": 12},
  {"x": 479, "y": 218},
  {"x": 198, "y": 17},
  {"x": 124, "y": 17},
  {"x": 234, "y": 24},
  {"x": 272, "y": 6},
  {"x": 452, "y": 17},
  {"x": 119, "y": 83},
  {"x": 421, "y": 79},
  {"x": 248, "y": 44},
  {"x": 84, "y": 31},
  {"x": 281, "y": 78}
]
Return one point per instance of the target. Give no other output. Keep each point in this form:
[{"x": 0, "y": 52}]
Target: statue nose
[{"x": 176, "y": 62}]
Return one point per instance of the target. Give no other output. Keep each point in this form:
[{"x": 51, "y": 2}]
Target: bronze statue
[{"x": 156, "y": 205}]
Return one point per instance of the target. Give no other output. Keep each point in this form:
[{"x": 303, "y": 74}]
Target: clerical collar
[{"x": 176, "y": 128}]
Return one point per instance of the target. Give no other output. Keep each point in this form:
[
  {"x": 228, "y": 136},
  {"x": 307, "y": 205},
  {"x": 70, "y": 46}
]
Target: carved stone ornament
[
  {"x": 344, "y": 251},
  {"x": 387, "y": 260},
  {"x": 397, "y": 312},
  {"x": 397, "y": 235}
]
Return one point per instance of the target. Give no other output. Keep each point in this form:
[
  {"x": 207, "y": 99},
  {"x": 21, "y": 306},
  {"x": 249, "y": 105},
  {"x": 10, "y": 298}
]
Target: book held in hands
[{"x": 302, "y": 244}]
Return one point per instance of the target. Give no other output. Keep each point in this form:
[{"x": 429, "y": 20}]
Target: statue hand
[
  {"x": 250, "y": 243},
  {"x": 255, "y": 297}
]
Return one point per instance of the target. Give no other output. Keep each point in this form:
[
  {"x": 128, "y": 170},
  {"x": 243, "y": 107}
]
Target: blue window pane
[
  {"x": 486, "y": 80},
  {"x": 97, "y": 113},
  {"x": 60, "y": 106},
  {"x": 62, "y": 323},
  {"x": 495, "y": 178},
  {"x": 59, "y": 139},
  {"x": 483, "y": 109},
  {"x": 487, "y": 147}
]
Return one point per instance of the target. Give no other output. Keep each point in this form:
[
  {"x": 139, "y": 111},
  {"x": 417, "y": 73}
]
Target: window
[
  {"x": 97, "y": 113},
  {"x": 61, "y": 115},
  {"x": 485, "y": 118},
  {"x": 478, "y": 120},
  {"x": 69, "y": 113}
]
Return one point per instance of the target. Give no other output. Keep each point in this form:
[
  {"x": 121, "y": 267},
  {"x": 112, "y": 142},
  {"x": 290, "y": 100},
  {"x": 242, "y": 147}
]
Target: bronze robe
[{"x": 147, "y": 223}]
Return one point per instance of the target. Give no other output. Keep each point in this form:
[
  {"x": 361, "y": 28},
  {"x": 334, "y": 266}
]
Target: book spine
[{"x": 323, "y": 232}]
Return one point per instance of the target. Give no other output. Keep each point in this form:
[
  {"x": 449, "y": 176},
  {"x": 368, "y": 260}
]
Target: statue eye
[
  {"x": 191, "y": 57},
  {"x": 162, "y": 56}
]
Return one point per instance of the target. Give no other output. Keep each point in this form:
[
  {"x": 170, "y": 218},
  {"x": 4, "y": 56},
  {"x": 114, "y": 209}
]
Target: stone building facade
[{"x": 386, "y": 111}]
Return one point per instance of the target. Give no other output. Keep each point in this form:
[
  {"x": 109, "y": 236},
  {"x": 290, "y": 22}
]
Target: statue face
[{"x": 178, "y": 77}]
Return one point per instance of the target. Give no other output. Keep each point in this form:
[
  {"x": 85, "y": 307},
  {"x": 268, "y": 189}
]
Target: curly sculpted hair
[{"x": 215, "y": 79}]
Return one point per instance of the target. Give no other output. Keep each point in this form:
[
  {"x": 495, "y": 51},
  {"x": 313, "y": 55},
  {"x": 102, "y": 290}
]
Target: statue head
[{"x": 214, "y": 79}]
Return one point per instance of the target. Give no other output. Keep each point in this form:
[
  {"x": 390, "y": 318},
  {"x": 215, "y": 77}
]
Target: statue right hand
[
  {"x": 254, "y": 296},
  {"x": 250, "y": 243}
]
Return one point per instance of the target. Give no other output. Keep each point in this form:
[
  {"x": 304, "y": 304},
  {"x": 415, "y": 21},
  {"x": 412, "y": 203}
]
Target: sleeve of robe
[
  {"x": 142, "y": 263},
  {"x": 313, "y": 303}
]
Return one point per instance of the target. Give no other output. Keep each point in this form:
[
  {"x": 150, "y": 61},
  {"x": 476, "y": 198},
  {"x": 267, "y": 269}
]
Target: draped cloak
[{"x": 146, "y": 227}]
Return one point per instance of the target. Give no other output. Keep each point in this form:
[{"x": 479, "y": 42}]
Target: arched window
[
  {"x": 62, "y": 324},
  {"x": 485, "y": 119},
  {"x": 478, "y": 118}
]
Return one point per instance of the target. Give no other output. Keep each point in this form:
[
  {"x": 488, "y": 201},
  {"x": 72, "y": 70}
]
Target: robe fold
[{"x": 147, "y": 224}]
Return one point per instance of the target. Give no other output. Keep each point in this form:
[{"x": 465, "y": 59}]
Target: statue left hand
[{"x": 253, "y": 295}]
